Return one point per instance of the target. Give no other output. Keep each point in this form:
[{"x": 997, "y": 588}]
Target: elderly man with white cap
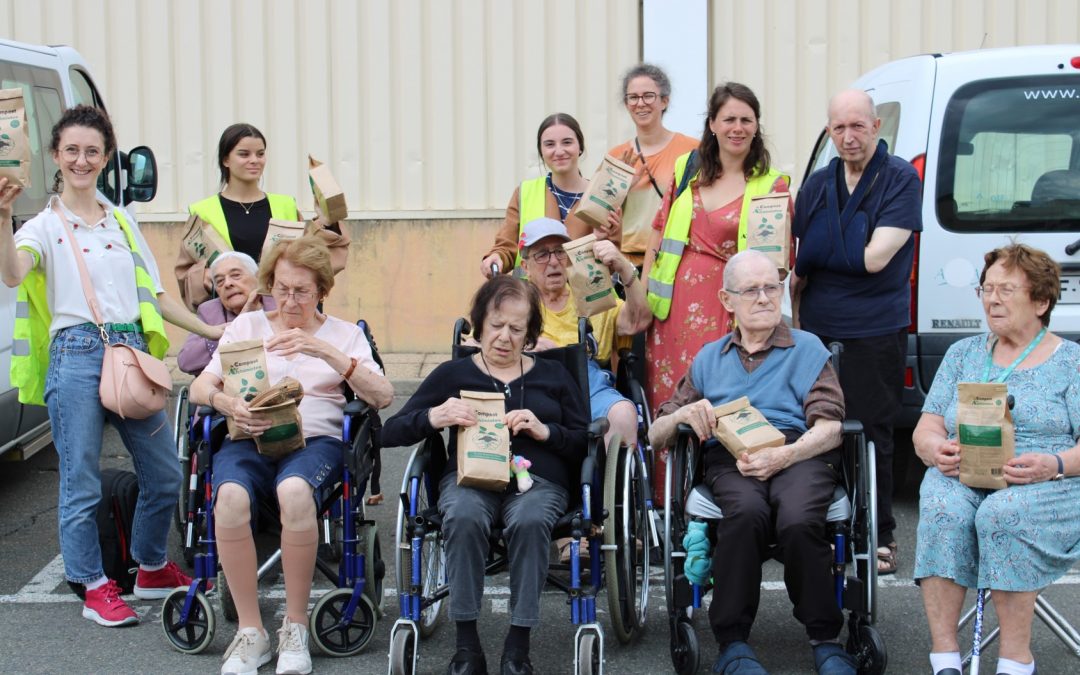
[{"x": 545, "y": 262}]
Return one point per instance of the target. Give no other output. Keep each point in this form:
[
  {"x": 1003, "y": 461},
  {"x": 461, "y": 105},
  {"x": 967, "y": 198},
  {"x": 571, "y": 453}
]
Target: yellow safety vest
[
  {"x": 677, "y": 233},
  {"x": 532, "y": 204},
  {"x": 282, "y": 207},
  {"x": 30, "y": 349}
]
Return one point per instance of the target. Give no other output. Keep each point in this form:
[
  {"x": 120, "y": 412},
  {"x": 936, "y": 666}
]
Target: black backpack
[{"x": 116, "y": 511}]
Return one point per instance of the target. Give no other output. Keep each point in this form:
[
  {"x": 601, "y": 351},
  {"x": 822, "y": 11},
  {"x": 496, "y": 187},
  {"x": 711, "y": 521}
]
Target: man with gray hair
[
  {"x": 779, "y": 494},
  {"x": 854, "y": 220}
]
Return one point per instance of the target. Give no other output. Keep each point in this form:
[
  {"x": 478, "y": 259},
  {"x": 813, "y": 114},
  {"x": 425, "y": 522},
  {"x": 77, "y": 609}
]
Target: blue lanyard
[{"x": 1014, "y": 364}]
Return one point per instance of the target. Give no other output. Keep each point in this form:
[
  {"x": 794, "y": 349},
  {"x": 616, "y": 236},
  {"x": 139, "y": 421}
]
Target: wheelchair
[
  {"x": 852, "y": 525},
  {"x": 606, "y": 480},
  {"x": 343, "y": 619}
]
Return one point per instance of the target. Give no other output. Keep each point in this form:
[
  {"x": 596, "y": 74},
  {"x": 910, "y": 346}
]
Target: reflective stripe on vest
[
  {"x": 661, "y": 283},
  {"x": 282, "y": 207},
  {"x": 30, "y": 348},
  {"x": 532, "y": 204}
]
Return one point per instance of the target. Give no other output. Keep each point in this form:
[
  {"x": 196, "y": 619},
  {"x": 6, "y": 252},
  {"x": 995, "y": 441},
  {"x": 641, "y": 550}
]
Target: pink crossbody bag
[{"x": 133, "y": 383}]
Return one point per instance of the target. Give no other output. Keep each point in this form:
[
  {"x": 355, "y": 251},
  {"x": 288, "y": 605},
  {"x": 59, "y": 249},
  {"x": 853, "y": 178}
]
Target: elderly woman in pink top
[{"x": 323, "y": 353}]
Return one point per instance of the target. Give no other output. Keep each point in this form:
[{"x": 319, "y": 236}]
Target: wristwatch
[{"x": 1061, "y": 468}]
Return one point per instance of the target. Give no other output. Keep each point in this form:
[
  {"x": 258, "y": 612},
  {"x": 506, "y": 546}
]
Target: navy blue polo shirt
[{"x": 846, "y": 304}]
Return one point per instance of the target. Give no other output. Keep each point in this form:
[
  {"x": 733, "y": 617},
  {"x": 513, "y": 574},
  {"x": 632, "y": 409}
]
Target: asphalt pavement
[{"x": 42, "y": 631}]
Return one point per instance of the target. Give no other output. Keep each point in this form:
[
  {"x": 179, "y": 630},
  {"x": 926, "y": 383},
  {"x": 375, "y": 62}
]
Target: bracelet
[
  {"x": 352, "y": 366},
  {"x": 1061, "y": 468}
]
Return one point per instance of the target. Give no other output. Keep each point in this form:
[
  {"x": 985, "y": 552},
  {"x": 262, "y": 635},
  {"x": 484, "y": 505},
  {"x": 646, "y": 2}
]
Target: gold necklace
[{"x": 247, "y": 207}]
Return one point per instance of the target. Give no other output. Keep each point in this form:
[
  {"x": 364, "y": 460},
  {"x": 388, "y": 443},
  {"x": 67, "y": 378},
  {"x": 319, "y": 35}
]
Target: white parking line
[{"x": 47, "y": 586}]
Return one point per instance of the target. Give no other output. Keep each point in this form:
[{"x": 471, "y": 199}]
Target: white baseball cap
[{"x": 538, "y": 229}]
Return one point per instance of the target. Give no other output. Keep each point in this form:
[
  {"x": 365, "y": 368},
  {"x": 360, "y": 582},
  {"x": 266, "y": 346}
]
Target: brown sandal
[
  {"x": 375, "y": 499},
  {"x": 886, "y": 559}
]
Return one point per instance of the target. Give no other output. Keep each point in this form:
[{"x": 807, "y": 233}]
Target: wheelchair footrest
[
  {"x": 684, "y": 591},
  {"x": 855, "y": 596}
]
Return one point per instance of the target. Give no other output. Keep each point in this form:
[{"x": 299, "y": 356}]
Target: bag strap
[
  {"x": 688, "y": 172},
  {"x": 646, "y": 165},
  {"x": 84, "y": 274}
]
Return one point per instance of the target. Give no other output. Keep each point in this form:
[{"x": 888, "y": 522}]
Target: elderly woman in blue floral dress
[{"x": 1020, "y": 539}]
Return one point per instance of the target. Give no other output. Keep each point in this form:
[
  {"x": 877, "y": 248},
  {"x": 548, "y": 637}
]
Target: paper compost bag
[
  {"x": 14, "y": 138},
  {"x": 607, "y": 191},
  {"x": 286, "y": 432},
  {"x": 326, "y": 191},
  {"x": 483, "y": 450},
  {"x": 741, "y": 428},
  {"x": 590, "y": 281},
  {"x": 280, "y": 230},
  {"x": 202, "y": 241},
  {"x": 243, "y": 370},
  {"x": 768, "y": 228},
  {"x": 985, "y": 432}
]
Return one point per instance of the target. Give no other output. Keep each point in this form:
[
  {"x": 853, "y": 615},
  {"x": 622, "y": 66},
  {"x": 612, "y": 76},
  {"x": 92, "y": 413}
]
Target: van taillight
[
  {"x": 919, "y": 162},
  {"x": 1075, "y": 62},
  {"x": 909, "y": 377},
  {"x": 920, "y": 165}
]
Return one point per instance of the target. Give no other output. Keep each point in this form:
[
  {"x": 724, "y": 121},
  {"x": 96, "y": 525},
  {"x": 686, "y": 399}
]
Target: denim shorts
[
  {"x": 319, "y": 463},
  {"x": 602, "y": 393}
]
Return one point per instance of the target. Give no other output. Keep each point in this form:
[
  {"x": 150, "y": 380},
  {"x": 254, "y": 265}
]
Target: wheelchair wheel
[
  {"x": 588, "y": 656},
  {"x": 181, "y": 441},
  {"x": 685, "y": 653},
  {"x": 680, "y": 478},
  {"x": 197, "y": 633},
  {"x": 866, "y": 645},
  {"x": 374, "y": 567},
  {"x": 402, "y": 651},
  {"x": 228, "y": 606},
  {"x": 325, "y": 623},
  {"x": 433, "y": 558},
  {"x": 627, "y": 566}
]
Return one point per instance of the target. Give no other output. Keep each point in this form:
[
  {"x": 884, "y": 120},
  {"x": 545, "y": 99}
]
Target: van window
[
  {"x": 42, "y": 97},
  {"x": 824, "y": 150},
  {"x": 1010, "y": 156},
  {"x": 85, "y": 92}
]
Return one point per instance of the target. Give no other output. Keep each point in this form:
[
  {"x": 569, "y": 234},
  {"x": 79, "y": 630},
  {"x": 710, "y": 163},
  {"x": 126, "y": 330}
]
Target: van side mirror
[{"x": 141, "y": 175}]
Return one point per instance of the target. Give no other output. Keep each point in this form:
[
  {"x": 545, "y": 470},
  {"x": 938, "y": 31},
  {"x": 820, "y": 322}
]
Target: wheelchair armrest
[
  {"x": 204, "y": 411},
  {"x": 850, "y": 427},
  {"x": 588, "y": 470},
  {"x": 356, "y": 407},
  {"x": 599, "y": 428}
]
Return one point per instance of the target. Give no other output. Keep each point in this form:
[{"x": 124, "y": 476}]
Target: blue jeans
[
  {"x": 78, "y": 420},
  {"x": 602, "y": 392}
]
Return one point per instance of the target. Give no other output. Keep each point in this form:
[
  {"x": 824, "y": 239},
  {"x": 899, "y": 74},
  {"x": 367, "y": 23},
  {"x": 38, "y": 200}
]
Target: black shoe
[
  {"x": 467, "y": 662},
  {"x": 515, "y": 663}
]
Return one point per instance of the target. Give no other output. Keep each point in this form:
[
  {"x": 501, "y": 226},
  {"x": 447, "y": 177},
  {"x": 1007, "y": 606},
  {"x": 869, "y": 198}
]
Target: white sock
[
  {"x": 153, "y": 568},
  {"x": 97, "y": 583},
  {"x": 1010, "y": 667},
  {"x": 941, "y": 660}
]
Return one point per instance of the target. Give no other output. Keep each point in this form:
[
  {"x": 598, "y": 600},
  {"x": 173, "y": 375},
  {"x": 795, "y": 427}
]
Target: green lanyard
[{"x": 1014, "y": 364}]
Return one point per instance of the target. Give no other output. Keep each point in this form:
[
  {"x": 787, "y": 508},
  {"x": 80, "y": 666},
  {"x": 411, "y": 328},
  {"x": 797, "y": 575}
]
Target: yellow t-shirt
[{"x": 561, "y": 328}]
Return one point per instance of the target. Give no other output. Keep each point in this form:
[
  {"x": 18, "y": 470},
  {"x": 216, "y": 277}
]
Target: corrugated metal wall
[{"x": 429, "y": 107}]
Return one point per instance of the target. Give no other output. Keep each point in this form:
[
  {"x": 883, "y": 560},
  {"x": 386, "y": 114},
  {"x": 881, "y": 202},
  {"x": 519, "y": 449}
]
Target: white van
[
  {"x": 995, "y": 134},
  {"x": 52, "y": 79}
]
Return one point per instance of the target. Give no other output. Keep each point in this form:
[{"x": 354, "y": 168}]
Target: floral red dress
[{"x": 697, "y": 315}]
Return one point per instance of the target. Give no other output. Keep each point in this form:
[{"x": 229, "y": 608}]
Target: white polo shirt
[{"x": 108, "y": 259}]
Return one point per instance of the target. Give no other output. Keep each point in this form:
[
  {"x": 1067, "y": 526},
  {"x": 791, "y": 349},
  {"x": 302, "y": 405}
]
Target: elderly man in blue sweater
[{"x": 777, "y": 494}]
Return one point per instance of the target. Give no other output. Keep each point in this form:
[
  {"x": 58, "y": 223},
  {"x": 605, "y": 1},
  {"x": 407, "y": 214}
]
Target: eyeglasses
[
  {"x": 303, "y": 297},
  {"x": 542, "y": 257},
  {"x": 92, "y": 155},
  {"x": 1004, "y": 291},
  {"x": 771, "y": 291},
  {"x": 648, "y": 98}
]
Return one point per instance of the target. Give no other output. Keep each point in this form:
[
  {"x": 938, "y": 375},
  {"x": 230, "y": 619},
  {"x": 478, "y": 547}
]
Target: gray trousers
[{"x": 468, "y": 516}]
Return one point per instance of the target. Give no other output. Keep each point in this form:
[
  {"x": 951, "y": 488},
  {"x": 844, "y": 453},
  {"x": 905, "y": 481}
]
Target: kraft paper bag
[
  {"x": 282, "y": 230},
  {"x": 202, "y": 241},
  {"x": 243, "y": 370},
  {"x": 327, "y": 192},
  {"x": 286, "y": 433},
  {"x": 483, "y": 450},
  {"x": 14, "y": 138},
  {"x": 607, "y": 191},
  {"x": 768, "y": 228},
  {"x": 590, "y": 280},
  {"x": 985, "y": 432},
  {"x": 741, "y": 428}
]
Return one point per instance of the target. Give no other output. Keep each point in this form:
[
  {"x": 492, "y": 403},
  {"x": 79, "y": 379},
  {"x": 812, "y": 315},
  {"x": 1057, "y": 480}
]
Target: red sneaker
[
  {"x": 104, "y": 607},
  {"x": 159, "y": 583}
]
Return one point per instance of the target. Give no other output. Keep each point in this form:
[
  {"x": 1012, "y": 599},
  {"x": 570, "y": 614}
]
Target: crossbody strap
[{"x": 84, "y": 274}]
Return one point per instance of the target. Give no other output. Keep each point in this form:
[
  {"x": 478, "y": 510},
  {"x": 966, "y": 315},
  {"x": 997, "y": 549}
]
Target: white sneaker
[
  {"x": 248, "y": 650},
  {"x": 294, "y": 658}
]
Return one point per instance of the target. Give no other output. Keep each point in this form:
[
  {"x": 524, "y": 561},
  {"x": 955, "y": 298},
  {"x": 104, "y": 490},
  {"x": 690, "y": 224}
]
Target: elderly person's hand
[
  {"x": 1030, "y": 467},
  {"x": 299, "y": 341},
  {"x": 237, "y": 408},
  {"x": 946, "y": 458},
  {"x": 614, "y": 222},
  {"x": 253, "y": 303},
  {"x": 524, "y": 421},
  {"x": 700, "y": 416},
  {"x": 607, "y": 253},
  {"x": 764, "y": 463},
  {"x": 452, "y": 413}
]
